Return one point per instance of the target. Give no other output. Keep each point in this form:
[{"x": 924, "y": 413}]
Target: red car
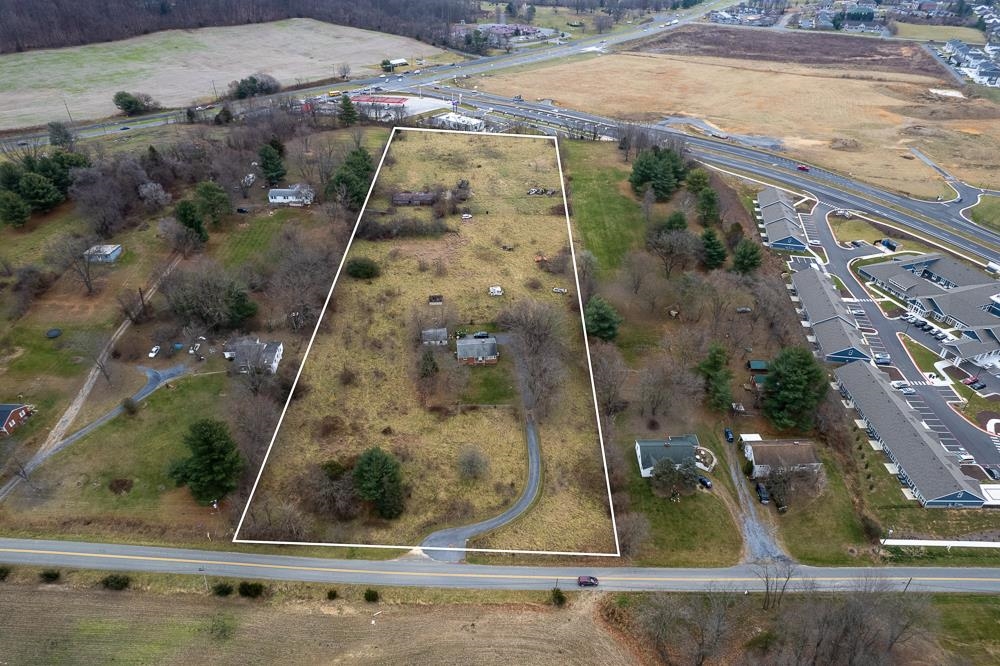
[
  {"x": 586, "y": 581},
  {"x": 802, "y": 167},
  {"x": 970, "y": 380}
]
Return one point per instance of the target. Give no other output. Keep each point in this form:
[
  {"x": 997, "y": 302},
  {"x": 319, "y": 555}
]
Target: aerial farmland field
[{"x": 181, "y": 67}]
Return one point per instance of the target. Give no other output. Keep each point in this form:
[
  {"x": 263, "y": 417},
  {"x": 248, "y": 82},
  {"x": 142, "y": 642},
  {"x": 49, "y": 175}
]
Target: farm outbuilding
[
  {"x": 12, "y": 416},
  {"x": 103, "y": 254},
  {"x": 434, "y": 336}
]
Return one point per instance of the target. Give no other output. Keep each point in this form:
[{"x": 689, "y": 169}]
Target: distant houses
[{"x": 296, "y": 195}]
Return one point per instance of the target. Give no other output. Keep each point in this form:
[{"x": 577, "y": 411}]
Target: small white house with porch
[{"x": 296, "y": 195}]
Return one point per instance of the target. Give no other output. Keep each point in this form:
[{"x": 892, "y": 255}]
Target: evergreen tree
[
  {"x": 428, "y": 366},
  {"x": 676, "y": 221},
  {"x": 708, "y": 206},
  {"x": 10, "y": 176},
  {"x": 715, "y": 369},
  {"x": 378, "y": 479},
  {"x": 660, "y": 168},
  {"x": 13, "y": 210},
  {"x": 795, "y": 385},
  {"x": 713, "y": 251},
  {"x": 747, "y": 257},
  {"x": 186, "y": 212},
  {"x": 697, "y": 180},
  {"x": 212, "y": 201},
  {"x": 271, "y": 165},
  {"x": 61, "y": 136},
  {"x": 601, "y": 319},
  {"x": 39, "y": 193},
  {"x": 215, "y": 463},
  {"x": 348, "y": 112}
]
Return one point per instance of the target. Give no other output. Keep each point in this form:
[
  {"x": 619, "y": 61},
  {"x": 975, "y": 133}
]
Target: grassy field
[
  {"x": 861, "y": 124},
  {"x": 77, "y": 623},
  {"x": 987, "y": 212},
  {"x": 178, "y": 67},
  {"x": 73, "y": 488},
  {"x": 607, "y": 214},
  {"x": 939, "y": 33},
  {"x": 371, "y": 333},
  {"x": 858, "y": 229}
]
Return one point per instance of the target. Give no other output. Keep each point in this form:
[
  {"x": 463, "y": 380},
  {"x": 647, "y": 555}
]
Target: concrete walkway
[
  {"x": 941, "y": 543},
  {"x": 154, "y": 380}
]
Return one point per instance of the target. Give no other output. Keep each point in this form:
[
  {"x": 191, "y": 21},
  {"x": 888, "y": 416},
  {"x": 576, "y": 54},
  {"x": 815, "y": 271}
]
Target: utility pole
[{"x": 67, "y": 111}]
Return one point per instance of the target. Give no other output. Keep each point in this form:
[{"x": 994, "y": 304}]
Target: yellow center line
[{"x": 446, "y": 574}]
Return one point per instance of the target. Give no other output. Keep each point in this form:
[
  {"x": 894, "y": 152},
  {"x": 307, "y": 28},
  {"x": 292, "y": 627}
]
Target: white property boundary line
[{"x": 329, "y": 295}]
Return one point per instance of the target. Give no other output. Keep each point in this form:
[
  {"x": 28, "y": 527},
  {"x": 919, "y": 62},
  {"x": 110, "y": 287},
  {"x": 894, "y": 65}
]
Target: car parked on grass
[
  {"x": 560, "y": 290},
  {"x": 586, "y": 581},
  {"x": 154, "y": 351},
  {"x": 705, "y": 482},
  {"x": 762, "y": 494},
  {"x": 728, "y": 432}
]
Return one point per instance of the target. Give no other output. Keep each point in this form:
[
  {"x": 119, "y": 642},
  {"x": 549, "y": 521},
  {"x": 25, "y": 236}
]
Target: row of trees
[{"x": 34, "y": 24}]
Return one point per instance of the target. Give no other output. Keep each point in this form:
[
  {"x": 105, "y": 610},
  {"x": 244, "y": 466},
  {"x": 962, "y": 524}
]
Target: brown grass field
[
  {"x": 859, "y": 121},
  {"x": 369, "y": 329},
  {"x": 60, "y": 624}
]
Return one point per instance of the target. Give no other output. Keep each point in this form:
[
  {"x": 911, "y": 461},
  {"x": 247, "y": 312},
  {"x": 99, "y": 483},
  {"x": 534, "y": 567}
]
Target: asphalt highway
[{"x": 419, "y": 571}]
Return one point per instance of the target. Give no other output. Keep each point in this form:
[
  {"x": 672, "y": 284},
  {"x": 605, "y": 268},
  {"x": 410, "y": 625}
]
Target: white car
[
  {"x": 899, "y": 384},
  {"x": 154, "y": 351},
  {"x": 908, "y": 391},
  {"x": 560, "y": 290},
  {"x": 466, "y": 216},
  {"x": 814, "y": 241}
]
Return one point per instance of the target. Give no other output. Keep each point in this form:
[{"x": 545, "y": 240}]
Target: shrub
[
  {"x": 50, "y": 576},
  {"x": 762, "y": 642},
  {"x": 331, "y": 595},
  {"x": 362, "y": 268},
  {"x": 251, "y": 590},
  {"x": 871, "y": 527},
  {"x": 371, "y": 596},
  {"x": 222, "y": 589},
  {"x": 222, "y": 627},
  {"x": 557, "y": 597},
  {"x": 4, "y": 572},
  {"x": 472, "y": 464},
  {"x": 130, "y": 406},
  {"x": 116, "y": 582}
]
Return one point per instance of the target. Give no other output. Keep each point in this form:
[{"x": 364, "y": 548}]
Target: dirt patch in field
[
  {"x": 843, "y": 52},
  {"x": 59, "y": 625}
]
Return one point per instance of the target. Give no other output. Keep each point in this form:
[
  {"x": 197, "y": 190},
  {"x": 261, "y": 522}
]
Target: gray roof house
[
  {"x": 477, "y": 351},
  {"x": 103, "y": 254},
  {"x": 676, "y": 449},
  {"x": 250, "y": 354},
  {"x": 296, "y": 195},
  {"x": 780, "y": 220},
  {"x": 434, "y": 336},
  {"x": 833, "y": 328},
  {"x": 765, "y": 456},
  {"x": 921, "y": 462}
]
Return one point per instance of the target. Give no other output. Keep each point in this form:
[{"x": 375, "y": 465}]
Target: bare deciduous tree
[
  {"x": 610, "y": 374},
  {"x": 535, "y": 334},
  {"x": 68, "y": 253}
]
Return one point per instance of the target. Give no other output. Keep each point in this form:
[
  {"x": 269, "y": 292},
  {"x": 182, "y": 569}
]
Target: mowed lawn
[
  {"x": 73, "y": 495},
  {"x": 370, "y": 331},
  {"x": 987, "y": 212},
  {"x": 609, "y": 220}
]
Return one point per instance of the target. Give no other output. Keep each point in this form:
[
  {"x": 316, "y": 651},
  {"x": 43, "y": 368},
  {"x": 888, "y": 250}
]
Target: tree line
[{"x": 37, "y": 24}]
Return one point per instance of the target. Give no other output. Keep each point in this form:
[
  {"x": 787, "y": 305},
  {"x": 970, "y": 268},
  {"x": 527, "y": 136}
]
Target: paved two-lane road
[{"x": 422, "y": 572}]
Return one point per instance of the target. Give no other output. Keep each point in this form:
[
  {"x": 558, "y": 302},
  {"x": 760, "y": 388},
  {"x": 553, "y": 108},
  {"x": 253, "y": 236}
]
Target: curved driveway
[
  {"x": 427, "y": 573},
  {"x": 455, "y": 538}
]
